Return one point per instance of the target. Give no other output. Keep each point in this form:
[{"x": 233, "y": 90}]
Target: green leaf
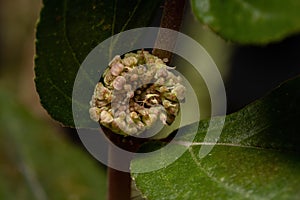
[
  {"x": 256, "y": 157},
  {"x": 67, "y": 32},
  {"x": 38, "y": 164},
  {"x": 250, "y": 21}
]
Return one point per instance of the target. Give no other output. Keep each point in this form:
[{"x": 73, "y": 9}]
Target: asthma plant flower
[{"x": 136, "y": 92}]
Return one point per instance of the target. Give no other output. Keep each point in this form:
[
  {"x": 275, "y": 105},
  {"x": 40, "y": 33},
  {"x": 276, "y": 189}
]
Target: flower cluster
[{"x": 135, "y": 92}]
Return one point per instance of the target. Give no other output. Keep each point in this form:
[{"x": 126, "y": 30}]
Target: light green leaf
[
  {"x": 67, "y": 32},
  {"x": 256, "y": 157},
  {"x": 38, "y": 164},
  {"x": 250, "y": 21}
]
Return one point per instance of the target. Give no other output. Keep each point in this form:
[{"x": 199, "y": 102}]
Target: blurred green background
[{"x": 38, "y": 158}]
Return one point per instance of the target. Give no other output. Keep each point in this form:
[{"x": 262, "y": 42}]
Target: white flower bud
[
  {"x": 134, "y": 116},
  {"x": 101, "y": 92},
  {"x": 153, "y": 101},
  {"x": 120, "y": 123},
  {"x": 150, "y": 60},
  {"x": 171, "y": 96},
  {"x": 95, "y": 113},
  {"x": 129, "y": 120},
  {"x": 93, "y": 101},
  {"x": 140, "y": 125},
  {"x": 163, "y": 118},
  {"x": 149, "y": 120},
  {"x": 160, "y": 81},
  {"x": 130, "y": 94},
  {"x": 140, "y": 70},
  {"x": 122, "y": 115},
  {"x": 101, "y": 103},
  {"x": 108, "y": 78},
  {"x": 134, "y": 77},
  {"x": 143, "y": 111},
  {"x": 162, "y": 89},
  {"x": 117, "y": 58},
  {"x": 127, "y": 87},
  {"x": 122, "y": 108},
  {"x": 153, "y": 117},
  {"x": 159, "y": 61},
  {"x": 116, "y": 68},
  {"x": 162, "y": 72},
  {"x": 167, "y": 103},
  {"x": 179, "y": 91},
  {"x": 179, "y": 79},
  {"x": 155, "y": 110},
  {"x": 119, "y": 83},
  {"x": 131, "y": 130},
  {"x": 129, "y": 61},
  {"x": 106, "y": 117},
  {"x": 170, "y": 82}
]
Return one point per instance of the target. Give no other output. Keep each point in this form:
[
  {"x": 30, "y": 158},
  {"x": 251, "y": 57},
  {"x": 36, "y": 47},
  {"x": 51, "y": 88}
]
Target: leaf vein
[
  {"x": 65, "y": 33},
  {"x": 113, "y": 42},
  {"x": 234, "y": 188}
]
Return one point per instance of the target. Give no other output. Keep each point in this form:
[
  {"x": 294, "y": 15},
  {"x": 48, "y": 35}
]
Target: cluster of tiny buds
[{"x": 136, "y": 92}]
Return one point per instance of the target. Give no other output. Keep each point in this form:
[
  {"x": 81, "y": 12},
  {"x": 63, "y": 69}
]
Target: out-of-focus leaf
[
  {"x": 67, "y": 32},
  {"x": 35, "y": 163},
  {"x": 256, "y": 157},
  {"x": 250, "y": 21}
]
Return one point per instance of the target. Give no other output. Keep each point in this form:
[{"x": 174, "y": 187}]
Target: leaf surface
[
  {"x": 67, "y": 32},
  {"x": 247, "y": 21},
  {"x": 256, "y": 157}
]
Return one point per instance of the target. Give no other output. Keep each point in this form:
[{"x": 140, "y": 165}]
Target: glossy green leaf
[
  {"x": 256, "y": 157},
  {"x": 36, "y": 163},
  {"x": 250, "y": 21},
  {"x": 67, "y": 32}
]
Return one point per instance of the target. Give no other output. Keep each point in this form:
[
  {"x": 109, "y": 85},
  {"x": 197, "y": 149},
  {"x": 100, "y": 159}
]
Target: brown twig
[
  {"x": 119, "y": 183},
  {"x": 171, "y": 19}
]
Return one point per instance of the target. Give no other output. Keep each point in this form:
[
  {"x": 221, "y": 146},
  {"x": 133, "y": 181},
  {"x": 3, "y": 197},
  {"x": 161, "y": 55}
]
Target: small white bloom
[
  {"x": 161, "y": 72},
  {"x": 106, "y": 117},
  {"x": 130, "y": 94},
  {"x": 119, "y": 83},
  {"x": 95, "y": 113},
  {"x": 154, "y": 110},
  {"x": 160, "y": 81},
  {"x": 127, "y": 87},
  {"x": 129, "y": 61},
  {"x": 131, "y": 130},
  {"x": 129, "y": 120},
  {"x": 122, "y": 115},
  {"x": 179, "y": 91},
  {"x": 116, "y": 68},
  {"x": 163, "y": 118},
  {"x": 134, "y": 77},
  {"x": 134, "y": 115},
  {"x": 117, "y": 58},
  {"x": 167, "y": 103},
  {"x": 101, "y": 92}
]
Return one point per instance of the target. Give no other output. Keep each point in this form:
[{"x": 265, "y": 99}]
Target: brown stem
[
  {"x": 119, "y": 183},
  {"x": 171, "y": 19}
]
